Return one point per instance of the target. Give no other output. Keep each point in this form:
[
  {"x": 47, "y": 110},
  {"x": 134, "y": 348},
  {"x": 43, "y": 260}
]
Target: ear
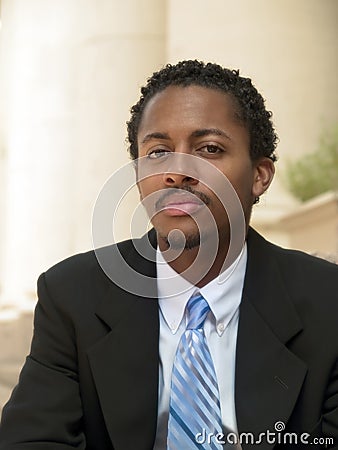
[{"x": 264, "y": 173}]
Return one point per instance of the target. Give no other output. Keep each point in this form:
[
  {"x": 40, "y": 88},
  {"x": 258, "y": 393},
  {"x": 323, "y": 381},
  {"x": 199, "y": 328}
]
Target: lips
[{"x": 180, "y": 204}]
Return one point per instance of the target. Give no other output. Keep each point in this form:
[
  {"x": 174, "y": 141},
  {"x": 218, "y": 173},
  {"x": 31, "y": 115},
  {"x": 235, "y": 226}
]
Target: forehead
[{"x": 193, "y": 105}]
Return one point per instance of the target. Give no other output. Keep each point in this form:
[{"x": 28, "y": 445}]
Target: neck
[{"x": 196, "y": 265}]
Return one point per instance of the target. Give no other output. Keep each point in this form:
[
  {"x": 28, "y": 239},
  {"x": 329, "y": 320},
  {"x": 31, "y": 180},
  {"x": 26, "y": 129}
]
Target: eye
[
  {"x": 210, "y": 149},
  {"x": 158, "y": 153}
]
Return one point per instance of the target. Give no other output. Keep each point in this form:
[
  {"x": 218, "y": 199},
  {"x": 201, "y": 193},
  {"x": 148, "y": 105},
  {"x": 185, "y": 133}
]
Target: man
[{"x": 108, "y": 367}]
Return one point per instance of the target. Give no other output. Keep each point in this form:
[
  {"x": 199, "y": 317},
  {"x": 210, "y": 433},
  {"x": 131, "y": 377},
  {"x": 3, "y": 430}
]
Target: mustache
[{"x": 170, "y": 191}]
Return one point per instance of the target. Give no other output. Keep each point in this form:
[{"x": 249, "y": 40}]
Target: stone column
[{"x": 70, "y": 71}]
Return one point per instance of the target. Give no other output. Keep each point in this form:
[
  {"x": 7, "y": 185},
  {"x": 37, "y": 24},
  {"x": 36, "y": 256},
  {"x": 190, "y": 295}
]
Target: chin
[{"x": 177, "y": 240}]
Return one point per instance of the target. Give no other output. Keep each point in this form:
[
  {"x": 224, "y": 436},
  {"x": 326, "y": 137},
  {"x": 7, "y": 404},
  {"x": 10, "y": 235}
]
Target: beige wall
[
  {"x": 314, "y": 227},
  {"x": 311, "y": 227}
]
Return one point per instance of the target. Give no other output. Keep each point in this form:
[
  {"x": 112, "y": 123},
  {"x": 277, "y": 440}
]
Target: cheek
[
  {"x": 243, "y": 184},
  {"x": 148, "y": 185},
  {"x": 242, "y": 180}
]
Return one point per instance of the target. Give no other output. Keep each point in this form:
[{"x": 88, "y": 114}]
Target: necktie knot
[{"x": 197, "y": 311}]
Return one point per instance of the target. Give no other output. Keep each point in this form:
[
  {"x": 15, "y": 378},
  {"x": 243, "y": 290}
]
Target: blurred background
[{"x": 70, "y": 71}]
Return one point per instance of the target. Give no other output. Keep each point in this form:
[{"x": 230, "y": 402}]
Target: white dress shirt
[{"x": 220, "y": 330}]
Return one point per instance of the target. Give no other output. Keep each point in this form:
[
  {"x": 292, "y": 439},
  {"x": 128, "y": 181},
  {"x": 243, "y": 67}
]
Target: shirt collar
[{"x": 222, "y": 294}]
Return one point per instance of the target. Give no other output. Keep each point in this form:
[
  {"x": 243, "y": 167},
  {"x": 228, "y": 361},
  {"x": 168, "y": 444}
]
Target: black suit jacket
[{"x": 91, "y": 379}]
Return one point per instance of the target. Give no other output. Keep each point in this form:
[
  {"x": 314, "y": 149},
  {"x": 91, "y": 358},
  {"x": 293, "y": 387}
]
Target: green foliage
[{"x": 316, "y": 172}]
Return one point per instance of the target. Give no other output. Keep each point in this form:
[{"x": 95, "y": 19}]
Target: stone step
[
  {"x": 9, "y": 374},
  {"x": 15, "y": 337}
]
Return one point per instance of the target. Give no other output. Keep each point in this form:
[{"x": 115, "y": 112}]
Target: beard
[{"x": 177, "y": 241}]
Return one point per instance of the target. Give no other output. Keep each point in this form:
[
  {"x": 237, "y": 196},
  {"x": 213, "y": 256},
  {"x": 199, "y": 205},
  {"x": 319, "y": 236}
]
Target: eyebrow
[
  {"x": 156, "y": 135},
  {"x": 208, "y": 131},
  {"x": 195, "y": 134}
]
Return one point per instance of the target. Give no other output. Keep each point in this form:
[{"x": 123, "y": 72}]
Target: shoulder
[
  {"x": 95, "y": 270},
  {"x": 82, "y": 273},
  {"x": 303, "y": 265},
  {"x": 281, "y": 279},
  {"x": 302, "y": 274},
  {"x": 311, "y": 282},
  {"x": 288, "y": 259}
]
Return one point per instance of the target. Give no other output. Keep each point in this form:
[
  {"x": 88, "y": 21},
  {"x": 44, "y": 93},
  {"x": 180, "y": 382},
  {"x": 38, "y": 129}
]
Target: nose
[
  {"x": 178, "y": 179},
  {"x": 181, "y": 171}
]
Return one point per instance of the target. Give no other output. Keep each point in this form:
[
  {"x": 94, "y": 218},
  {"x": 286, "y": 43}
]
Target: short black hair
[{"x": 251, "y": 105}]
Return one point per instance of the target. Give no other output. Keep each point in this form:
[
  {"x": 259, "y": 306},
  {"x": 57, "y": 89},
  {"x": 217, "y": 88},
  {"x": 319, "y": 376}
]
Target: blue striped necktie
[{"x": 194, "y": 397}]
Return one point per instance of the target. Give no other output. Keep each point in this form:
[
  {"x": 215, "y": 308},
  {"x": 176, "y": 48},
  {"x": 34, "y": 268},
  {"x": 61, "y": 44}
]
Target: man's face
[{"x": 200, "y": 122}]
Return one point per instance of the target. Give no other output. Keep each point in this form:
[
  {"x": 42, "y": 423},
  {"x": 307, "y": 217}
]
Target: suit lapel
[
  {"x": 268, "y": 375},
  {"x": 125, "y": 362}
]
